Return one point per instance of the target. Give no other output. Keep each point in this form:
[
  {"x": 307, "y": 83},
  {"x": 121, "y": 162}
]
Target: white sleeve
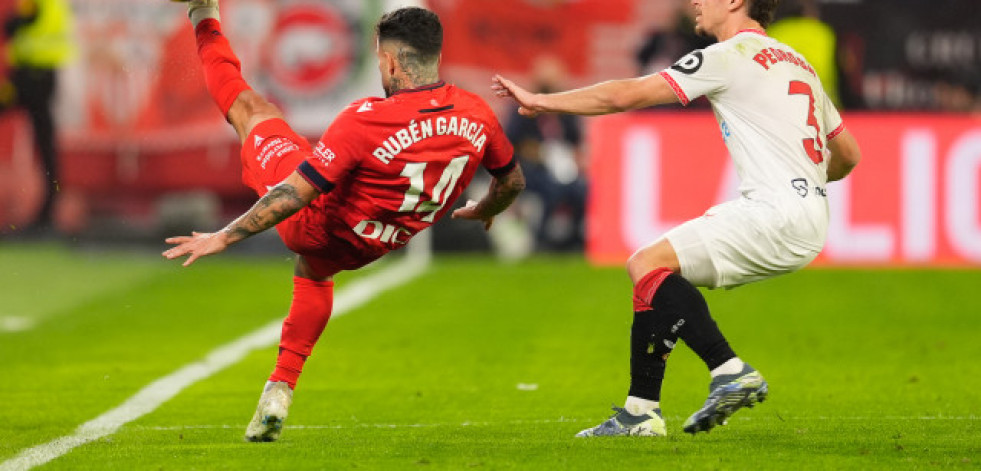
[{"x": 700, "y": 72}]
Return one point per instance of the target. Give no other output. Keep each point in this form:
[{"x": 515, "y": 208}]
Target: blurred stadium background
[
  {"x": 133, "y": 116},
  {"x": 145, "y": 154}
]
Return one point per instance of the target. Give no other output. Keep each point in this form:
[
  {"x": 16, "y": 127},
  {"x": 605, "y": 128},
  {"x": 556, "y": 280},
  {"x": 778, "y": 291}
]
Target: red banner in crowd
[
  {"x": 138, "y": 80},
  {"x": 915, "y": 199},
  {"x": 510, "y": 34}
]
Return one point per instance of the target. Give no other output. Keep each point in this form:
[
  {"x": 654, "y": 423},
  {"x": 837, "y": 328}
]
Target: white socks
[
  {"x": 730, "y": 367},
  {"x": 639, "y": 406}
]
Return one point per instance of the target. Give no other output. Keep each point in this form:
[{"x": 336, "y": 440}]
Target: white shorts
[{"x": 743, "y": 241}]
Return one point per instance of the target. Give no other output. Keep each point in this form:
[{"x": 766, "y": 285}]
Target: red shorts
[{"x": 270, "y": 153}]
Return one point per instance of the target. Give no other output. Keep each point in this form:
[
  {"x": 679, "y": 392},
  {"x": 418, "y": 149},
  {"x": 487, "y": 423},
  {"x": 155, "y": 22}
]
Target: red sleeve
[
  {"x": 499, "y": 157},
  {"x": 335, "y": 155}
]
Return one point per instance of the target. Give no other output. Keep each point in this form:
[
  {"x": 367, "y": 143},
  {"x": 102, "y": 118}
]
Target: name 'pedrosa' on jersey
[
  {"x": 424, "y": 129},
  {"x": 772, "y": 55}
]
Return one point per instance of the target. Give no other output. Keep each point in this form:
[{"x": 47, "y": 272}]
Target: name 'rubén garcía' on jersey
[{"x": 424, "y": 129}]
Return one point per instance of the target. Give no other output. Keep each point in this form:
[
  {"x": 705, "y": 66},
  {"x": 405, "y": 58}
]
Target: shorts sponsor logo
[{"x": 275, "y": 148}]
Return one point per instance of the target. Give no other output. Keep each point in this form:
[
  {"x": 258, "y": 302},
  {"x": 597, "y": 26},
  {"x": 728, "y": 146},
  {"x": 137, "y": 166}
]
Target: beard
[{"x": 392, "y": 86}]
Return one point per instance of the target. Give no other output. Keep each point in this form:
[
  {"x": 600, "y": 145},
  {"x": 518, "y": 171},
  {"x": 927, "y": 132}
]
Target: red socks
[
  {"x": 222, "y": 69},
  {"x": 311, "y": 308},
  {"x": 647, "y": 286}
]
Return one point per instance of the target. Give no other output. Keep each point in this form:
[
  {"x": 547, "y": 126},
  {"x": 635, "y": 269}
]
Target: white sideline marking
[
  {"x": 16, "y": 323},
  {"x": 162, "y": 390}
]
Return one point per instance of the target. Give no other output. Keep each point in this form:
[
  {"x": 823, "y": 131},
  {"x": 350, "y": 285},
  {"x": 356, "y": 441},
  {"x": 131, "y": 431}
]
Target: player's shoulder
[
  {"x": 463, "y": 93},
  {"x": 692, "y": 62},
  {"x": 470, "y": 100},
  {"x": 359, "y": 108}
]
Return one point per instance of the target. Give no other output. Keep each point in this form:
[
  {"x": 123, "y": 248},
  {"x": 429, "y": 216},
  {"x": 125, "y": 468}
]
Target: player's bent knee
[
  {"x": 250, "y": 109},
  {"x": 645, "y": 259},
  {"x": 310, "y": 269}
]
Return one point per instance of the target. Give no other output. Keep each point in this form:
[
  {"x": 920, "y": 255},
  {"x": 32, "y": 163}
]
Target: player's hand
[
  {"x": 471, "y": 211},
  {"x": 505, "y": 88},
  {"x": 197, "y": 245}
]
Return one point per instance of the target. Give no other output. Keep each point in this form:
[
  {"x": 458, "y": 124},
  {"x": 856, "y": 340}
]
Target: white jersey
[
  {"x": 776, "y": 121},
  {"x": 774, "y": 116}
]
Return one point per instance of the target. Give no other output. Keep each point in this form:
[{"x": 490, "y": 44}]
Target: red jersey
[{"x": 391, "y": 167}]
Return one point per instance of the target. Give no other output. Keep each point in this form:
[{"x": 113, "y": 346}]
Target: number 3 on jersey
[
  {"x": 416, "y": 171},
  {"x": 813, "y": 147}
]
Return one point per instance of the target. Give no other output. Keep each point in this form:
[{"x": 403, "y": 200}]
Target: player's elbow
[
  {"x": 849, "y": 155},
  {"x": 516, "y": 181},
  {"x": 622, "y": 101},
  {"x": 845, "y": 156},
  {"x": 620, "y": 95},
  {"x": 854, "y": 158}
]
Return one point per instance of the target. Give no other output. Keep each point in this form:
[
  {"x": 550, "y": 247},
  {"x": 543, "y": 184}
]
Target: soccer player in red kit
[{"x": 384, "y": 170}]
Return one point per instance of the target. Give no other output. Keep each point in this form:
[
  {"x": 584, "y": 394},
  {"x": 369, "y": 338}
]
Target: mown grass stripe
[{"x": 160, "y": 391}]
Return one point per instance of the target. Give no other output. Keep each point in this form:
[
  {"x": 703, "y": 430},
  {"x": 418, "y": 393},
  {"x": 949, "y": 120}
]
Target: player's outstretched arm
[
  {"x": 502, "y": 192},
  {"x": 612, "y": 96},
  {"x": 845, "y": 155},
  {"x": 282, "y": 201}
]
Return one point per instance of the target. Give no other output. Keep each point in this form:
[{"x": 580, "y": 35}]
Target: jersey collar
[
  {"x": 752, "y": 30},
  {"x": 431, "y": 86}
]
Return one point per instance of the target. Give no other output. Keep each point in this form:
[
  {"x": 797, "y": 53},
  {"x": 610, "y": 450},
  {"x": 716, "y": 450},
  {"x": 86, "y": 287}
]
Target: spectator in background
[
  {"x": 799, "y": 26},
  {"x": 957, "y": 92},
  {"x": 39, "y": 43},
  {"x": 663, "y": 47},
  {"x": 548, "y": 148}
]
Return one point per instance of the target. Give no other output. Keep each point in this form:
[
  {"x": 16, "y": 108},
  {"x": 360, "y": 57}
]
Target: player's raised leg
[
  {"x": 242, "y": 107},
  {"x": 266, "y": 158}
]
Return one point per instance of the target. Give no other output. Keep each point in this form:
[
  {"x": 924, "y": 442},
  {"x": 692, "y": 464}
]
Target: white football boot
[
  {"x": 274, "y": 406},
  {"x": 623, "y": 423},
  {"x": 728, "y": 394}
]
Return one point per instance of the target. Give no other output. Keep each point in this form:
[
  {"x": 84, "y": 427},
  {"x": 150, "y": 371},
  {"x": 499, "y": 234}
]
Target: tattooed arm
[
  {"x": 502, "y": 192},
  {"x": 281, "y": 202}
]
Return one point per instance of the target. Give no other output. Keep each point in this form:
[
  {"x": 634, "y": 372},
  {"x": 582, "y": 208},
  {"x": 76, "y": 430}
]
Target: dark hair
[
  {"x": 417, "y": 28},
  {"x": 762, "y": 11}
]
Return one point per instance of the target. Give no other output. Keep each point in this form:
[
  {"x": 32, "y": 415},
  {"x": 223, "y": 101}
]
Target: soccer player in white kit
[{"x": 787, "y": 141}]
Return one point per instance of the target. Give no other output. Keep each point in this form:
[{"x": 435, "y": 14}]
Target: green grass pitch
[{"x": 482, "y": 365}]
